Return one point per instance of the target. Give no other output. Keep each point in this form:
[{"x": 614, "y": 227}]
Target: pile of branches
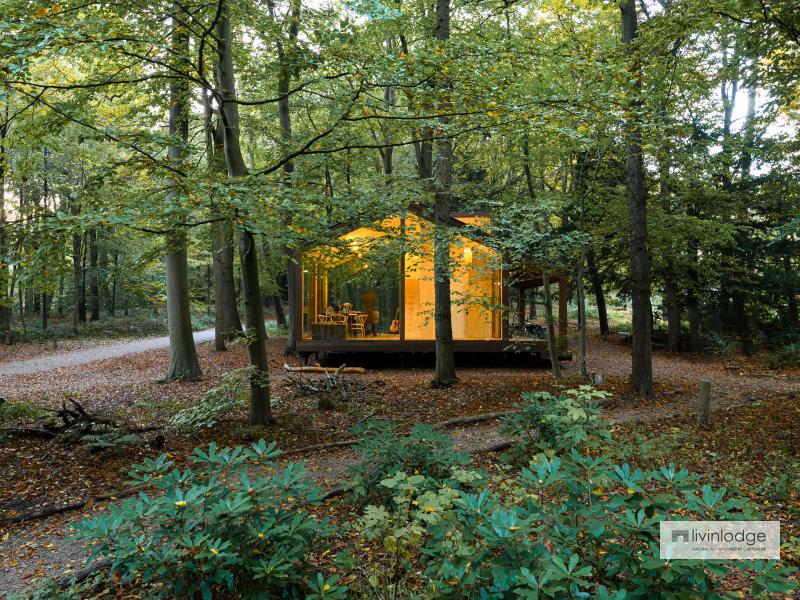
[
  {"x": 331, "y": 389},
  {"x": 73, "y": 423}
]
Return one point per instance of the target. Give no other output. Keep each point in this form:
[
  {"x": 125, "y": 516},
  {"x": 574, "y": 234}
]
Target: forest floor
[{"x": 740, "y": 449}]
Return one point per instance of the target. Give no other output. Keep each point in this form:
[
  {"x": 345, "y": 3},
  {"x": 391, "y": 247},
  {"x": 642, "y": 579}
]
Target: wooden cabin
[{"x": 372, "y": 291}]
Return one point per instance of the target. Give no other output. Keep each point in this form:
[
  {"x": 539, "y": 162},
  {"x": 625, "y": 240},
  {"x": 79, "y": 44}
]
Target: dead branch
[
  {"x": 55, "y": 509},
  {"x": 75, "y": 422},
  {"x": 330, "y": 390},
  {"x": 498, "y": 447},
  {"x": 318, "y": 369},
  {"x": 472, "y": 419},
  {"x": 82, "y": 574}
]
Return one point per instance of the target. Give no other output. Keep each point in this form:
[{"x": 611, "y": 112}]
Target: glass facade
[{"x": 377, "y": 284}]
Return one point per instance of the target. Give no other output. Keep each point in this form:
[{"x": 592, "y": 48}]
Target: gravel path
[{"x": 81, "y": 357}]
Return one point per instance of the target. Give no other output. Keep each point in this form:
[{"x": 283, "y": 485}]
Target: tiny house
[{"x": 372, "y": 290}]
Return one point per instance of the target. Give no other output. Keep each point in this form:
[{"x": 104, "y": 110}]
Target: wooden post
[
  {"x": 704, "y": 405},
  {"x": 562, "y": 314}
]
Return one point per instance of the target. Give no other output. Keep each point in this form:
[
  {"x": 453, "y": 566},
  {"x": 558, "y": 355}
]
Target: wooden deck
[{"x": 382, "y": 345}]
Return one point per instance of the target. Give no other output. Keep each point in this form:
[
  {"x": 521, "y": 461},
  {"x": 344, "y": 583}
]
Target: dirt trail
[{"x": 82, "y": 357}]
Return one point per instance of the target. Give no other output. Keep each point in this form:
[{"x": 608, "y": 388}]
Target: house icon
[{"x": 680, "y": 535}]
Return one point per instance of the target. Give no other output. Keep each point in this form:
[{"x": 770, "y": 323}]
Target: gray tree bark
[
  {"x": 6, "y": 300},
  {"x": 552, "y": 346},
  {"x": 597, "y": 288},
  {"x": 183, "y": 363},
  {"x": 260, "y": 409},
  {"x": 94, "y": 277},
  {"x": 227, "y": 322},
  {"x": 445, "y": 372},
  {"x": 285, "y": 75},
  {"x": 641, "y": 353}
]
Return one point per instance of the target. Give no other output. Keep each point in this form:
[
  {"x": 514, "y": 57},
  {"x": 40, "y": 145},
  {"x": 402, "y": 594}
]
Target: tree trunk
[
  {"x": 280, "y": 315},
  {"x": 82, "y": 306},
  {"x": 6, "y": 299},
  {"x": 260, "y": 409},
  {"x": 641, "y": 353},
  {"x": 45, "y": 309},
  {"x": 671, "y": 299},
  {"x": 183, "y": 363},
  {"x": 693, "y": 315},
  {"x": 79, "y": 311},
  {"x": 673, "y": 306},
  {"x": 112, "y": 307},
  {"x": 94, "y": 277},
  {"x": 581, "y": 315},
  {"x": 61, "y": 293},
  {"x": 445, "y": 374},
  {"x": 552, "y": 346},
  {"x": 597, "y": 288},
  {"x": 791, "y": 291},
  {"x": 285, "y": 74},
  {"x": 227, "y": 322}
]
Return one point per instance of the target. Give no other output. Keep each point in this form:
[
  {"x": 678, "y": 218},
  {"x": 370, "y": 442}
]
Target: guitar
[{"x": 395, "y": 326}]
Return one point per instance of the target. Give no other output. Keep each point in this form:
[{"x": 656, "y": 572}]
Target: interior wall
[{"x": 475, "y": 287}]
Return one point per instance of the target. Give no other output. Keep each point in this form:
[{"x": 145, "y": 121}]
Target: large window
[
  {"x": 475, "y": 287},
  {"x": 353, "y": 289}
]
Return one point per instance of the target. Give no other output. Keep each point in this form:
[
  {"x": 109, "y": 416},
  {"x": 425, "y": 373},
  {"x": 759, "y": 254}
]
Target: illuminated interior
[{"x": 353, "y": 290}]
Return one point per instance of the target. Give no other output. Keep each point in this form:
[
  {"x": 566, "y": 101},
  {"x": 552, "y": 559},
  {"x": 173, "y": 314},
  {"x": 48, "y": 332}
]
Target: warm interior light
[{"x": 468, "y": 256}]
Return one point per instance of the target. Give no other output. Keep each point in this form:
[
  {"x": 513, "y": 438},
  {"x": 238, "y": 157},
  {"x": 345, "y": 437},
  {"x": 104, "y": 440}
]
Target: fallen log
[
  {"x": 55, "y": 509},
  {"x": 318, "y": 369},
  {"x": 82, "y": 574},
  {"x": 472, "y": 419},
  {"x": 325, "y": 446},
  {"x": 498, "y": 447}
]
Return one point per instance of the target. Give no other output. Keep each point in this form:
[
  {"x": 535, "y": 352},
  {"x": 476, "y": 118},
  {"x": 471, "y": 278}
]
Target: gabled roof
[{"x": 416, "y": 208}]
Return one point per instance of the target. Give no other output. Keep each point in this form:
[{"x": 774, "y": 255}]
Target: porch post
[
  {"x": 294, "y": 272},
  {"x": 562, "y": 313}
]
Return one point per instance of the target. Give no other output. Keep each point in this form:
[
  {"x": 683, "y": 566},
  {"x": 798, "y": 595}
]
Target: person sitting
[
  {"x": 346, "y": 307},
  {"x": 330, "y": 310}
]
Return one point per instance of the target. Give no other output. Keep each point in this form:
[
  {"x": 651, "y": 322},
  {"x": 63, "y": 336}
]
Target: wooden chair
[{"x": 358, "y": 325}]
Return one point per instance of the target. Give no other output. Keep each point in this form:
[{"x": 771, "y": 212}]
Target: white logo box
[{"x": 720, "y": 540}]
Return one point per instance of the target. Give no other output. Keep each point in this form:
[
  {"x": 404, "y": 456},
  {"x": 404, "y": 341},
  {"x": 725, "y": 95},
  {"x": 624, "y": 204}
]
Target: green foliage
[
  {"x": 50, "y": 590},
  {"x": 112, "y": 440},
  {"x": 719, "y": 344},
  {"x": 424, "y": 452},
  {"x": 785, "y": 357},
  {"x": 781, "y": 487},
  {"x": 13, "y": 410},
  {"x": 214, "y": 526},
  {"x": 574, "y": 526},
  {"x": 216, "y": 402},
  {"x": 544, "y": 424}
]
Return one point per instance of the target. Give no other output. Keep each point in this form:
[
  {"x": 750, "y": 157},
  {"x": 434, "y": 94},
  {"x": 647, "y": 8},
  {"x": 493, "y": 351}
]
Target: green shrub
[
  {"x": 11, "y": 411},
  {"x": 573, "y": 524},
  {"x": 785, "y": 357},
  {"x": 214, "y": 526},
  {"x": 385, "y": 452},
  {"x": 544, "y": 424},
  {"x": 216, "y": 402},
  {"x": 576, "y": 527}
]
